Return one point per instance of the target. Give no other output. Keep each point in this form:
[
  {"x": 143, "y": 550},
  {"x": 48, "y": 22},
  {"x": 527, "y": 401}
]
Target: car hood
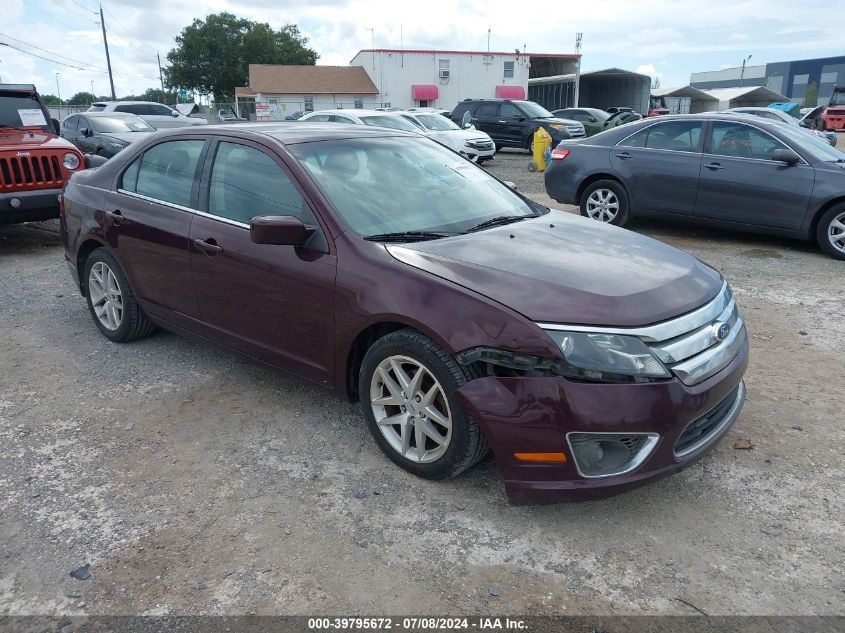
[
  {"x": 36, "y": 139},
  {"x": 125, "y": 137},
  {"x": 558, "y": 120},
  {"x": 561, "y": 268},
  {"x": 465, "y": 135}
]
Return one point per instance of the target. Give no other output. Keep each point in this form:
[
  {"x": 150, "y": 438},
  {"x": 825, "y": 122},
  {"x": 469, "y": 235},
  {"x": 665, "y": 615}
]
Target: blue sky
[{"x": 668, "y": 39}]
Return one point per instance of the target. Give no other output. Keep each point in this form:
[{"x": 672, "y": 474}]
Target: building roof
[
  {"x": 512, "y": 53},
  {"x": 684, "y": 91},
  {"x": 283, "y": 79},
  {"x": 759, "y": 92}
]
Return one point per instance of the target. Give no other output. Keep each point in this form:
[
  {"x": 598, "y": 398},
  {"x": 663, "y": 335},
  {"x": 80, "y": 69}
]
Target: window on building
[
  {"x": 508, "y": 69},
  {"x": 444, "y": 72},
  {"x": 166, "y": 172},
  {"x": 359, "y": 103},
  {"x": 799, "y": 86},
  {"x": 309, "y": 104}
]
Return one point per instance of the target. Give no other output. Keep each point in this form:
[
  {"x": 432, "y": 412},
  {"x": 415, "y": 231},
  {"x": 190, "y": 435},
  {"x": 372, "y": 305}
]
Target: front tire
[
  {"x": 111, "y": 302},
  {"x": 407, "y": 386},
  {"x": 830, "y": 232},
  {"x": 605, "y": 201}
]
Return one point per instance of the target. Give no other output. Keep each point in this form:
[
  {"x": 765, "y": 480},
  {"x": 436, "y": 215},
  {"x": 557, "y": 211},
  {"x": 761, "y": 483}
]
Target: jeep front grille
[{"x": 38, "y": 170}]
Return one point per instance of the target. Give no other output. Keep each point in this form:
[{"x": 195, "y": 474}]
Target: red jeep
[
  {"x": 657, "y": 106},
  {"x": 833, "y": 117},
  {"x": 35, "y": 162}
]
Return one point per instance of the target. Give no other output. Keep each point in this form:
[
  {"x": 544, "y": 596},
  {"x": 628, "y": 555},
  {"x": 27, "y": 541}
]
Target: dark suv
[{"x": 513, "y": 123}]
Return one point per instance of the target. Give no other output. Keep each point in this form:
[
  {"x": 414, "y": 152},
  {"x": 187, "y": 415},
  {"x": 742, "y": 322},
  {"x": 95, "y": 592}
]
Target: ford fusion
[{"x": 462, "y": 316}]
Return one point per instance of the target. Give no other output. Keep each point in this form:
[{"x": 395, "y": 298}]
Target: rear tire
[
  {"x": 416, "y": 415},
  {"x": 110, "y": 300},
  {"x": 830, "y": 231},
  {"x": 605, "y": 201}
]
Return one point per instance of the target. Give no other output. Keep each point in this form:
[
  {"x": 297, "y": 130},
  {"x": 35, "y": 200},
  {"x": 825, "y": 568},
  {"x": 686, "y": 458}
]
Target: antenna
[
  {"x": 488, "y": 39},
  {"x": 401, "y": 46},
  {"x": 578, "y": 42}
]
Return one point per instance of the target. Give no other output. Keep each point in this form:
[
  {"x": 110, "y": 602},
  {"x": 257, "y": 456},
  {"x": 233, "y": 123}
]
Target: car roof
[
  {"x": 355, "y": 112},
  {"x": 105, "y": 103},
  {"x": 110, "y": 115},
  {"x": 292, "y": 132}
]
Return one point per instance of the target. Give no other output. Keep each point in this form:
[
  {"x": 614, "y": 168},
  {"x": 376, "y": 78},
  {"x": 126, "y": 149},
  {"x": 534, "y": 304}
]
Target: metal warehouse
[{"x": 596, "y": 89}]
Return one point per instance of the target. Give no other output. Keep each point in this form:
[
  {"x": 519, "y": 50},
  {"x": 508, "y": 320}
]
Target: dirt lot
[{"x": 193, "y": 482}]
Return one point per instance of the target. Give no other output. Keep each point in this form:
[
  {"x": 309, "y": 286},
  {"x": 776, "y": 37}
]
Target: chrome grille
[
  {"x": 24, "y": 172},
  {"x": 480, "y": 144}
]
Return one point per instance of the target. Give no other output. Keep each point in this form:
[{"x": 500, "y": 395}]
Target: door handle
[
  {"x": 714, "y": 166},
  {"x": 624, "y": 155},
  {"x": 208, "y": 246},
  {"x": 116, "y": 216},
  {"x": 502, "y": 121}
]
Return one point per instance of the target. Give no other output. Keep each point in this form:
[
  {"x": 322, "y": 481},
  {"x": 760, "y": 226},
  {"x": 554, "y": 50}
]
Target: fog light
[
  {"x": 15, "y": 203},
  {"x": 608, "y": 454}
]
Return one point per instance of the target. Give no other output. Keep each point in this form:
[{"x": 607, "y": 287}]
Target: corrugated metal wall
[
  {"x": 553, "y": 96},
  {"x": 600, "y": 90}
]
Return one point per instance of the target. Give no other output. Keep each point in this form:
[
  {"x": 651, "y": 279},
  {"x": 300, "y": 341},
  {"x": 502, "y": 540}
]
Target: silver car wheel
[
  {"x": 603, "y": 205},
  {"x": 411, "y": 409},
  {"x": 836, "y": 232},
  {"x": 106, "y": 296}
]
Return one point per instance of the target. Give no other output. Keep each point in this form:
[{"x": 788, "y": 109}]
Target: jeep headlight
[
  {"x": 603, "y": 357},
  {"x": 70, "y": 161}
]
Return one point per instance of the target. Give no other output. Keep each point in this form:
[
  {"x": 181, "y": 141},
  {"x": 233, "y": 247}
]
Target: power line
[
  {"x": 126, "y": 30},
  {"x": 55, "y": 61},
  {"x": 44, "y": 50},
  {"x": 82, "y": 6},
  {"x": 58, "y": 4}
]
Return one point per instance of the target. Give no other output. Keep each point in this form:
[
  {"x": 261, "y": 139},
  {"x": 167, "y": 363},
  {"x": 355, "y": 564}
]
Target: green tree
[
  {"x": 51, "y": 100},
  {"x": 212, "y": 55},
  {"x": 82, "y": 98},
  {"x": 811, "y": 97}
]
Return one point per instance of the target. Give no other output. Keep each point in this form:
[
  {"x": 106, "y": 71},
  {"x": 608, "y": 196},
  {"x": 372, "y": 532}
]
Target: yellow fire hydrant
[{"x": 541, "y": 152}]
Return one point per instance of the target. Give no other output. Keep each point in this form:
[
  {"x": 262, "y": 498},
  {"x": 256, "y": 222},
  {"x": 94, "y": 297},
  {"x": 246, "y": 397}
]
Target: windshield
[
  {"x": 837, "y": 98},
  {"x": 104, "y": 125},
  {"x": 394, "y": 121},
  {"x": 437, "y": 122},
  {"x": 812, "y": 145},
  {"x": 533, "y": 110},
  {"x": 22, "y": 109},
  {"x": 390, "y": 185}
]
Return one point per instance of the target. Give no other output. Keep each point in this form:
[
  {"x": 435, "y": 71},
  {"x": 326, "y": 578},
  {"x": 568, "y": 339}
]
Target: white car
[
  {"x": 405, "y": 121},
  {"x": 156, "y": 114},
  {"x": 472, "y": 143}
]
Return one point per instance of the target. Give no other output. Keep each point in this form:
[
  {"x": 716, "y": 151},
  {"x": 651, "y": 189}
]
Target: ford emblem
[{"x": 721, "y": 330}]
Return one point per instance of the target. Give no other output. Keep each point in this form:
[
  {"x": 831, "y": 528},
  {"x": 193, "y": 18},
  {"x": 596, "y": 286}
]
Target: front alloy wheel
[
  {"x": 411, "y": 409},
  {"x": 830, "y": 232},
  {"x": 407, "y": 386}
]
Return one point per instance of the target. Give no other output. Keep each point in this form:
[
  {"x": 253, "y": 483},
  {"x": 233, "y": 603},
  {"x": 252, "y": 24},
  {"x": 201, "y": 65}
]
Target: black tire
[
  {"x": 622, "y": 215},
  {"x": 823, "y": 230},
  {"x": 467, "y": 445},
  {"x": 134, "y": 324}
]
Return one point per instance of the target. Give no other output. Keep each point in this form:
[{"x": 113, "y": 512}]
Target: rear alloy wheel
[
  {"x": 111, "y": 301},
  {"x": 830, "y": 232},
  {"x": 605, "y": 201},
  {"x": 406, "y": 387}
]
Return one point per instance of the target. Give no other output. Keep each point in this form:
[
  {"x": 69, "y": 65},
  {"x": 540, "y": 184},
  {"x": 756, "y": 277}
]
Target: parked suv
[
  {"x": 512, "y": 123},
  {"x": 35, "y": 161},
  {"x": 158, "y": 115}
]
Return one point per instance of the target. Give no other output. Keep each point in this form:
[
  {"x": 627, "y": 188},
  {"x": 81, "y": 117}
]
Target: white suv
[{"x": 156, "y": 114}]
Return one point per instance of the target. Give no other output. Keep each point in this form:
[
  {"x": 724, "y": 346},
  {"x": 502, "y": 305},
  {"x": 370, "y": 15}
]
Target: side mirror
[
  {"x": 786, "y": 156},
  {"x": 520, "y": 119},
  {"x": 511, "y": 184},
  {"x": 174, "y": 113},
  {"x": 282, "y": 230},
  {"x": 93, "y": 161},
  {"x": 56, "y": 126},
  {"x": 84, "y": 131}
]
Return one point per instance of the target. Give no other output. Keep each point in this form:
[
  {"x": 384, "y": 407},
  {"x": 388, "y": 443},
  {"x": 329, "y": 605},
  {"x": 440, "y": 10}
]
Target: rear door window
[
  {"x": 166, "y": 172},
  {"x": 488, "y": 109},
  {"x": 158, "y": 110},
  {"x": 677, "y": 136}
]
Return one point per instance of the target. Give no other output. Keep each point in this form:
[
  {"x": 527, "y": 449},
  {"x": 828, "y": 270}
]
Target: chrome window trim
[
  {"x": 645, "y": 451},
  {"x": 730, "y": 416},
  {"x": 179, "y": 207},
  {"x": 660, "y": 331}
]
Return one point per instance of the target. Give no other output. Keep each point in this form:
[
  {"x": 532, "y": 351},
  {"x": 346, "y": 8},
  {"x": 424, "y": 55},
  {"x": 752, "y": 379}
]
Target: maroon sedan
[{"x": 461, "y": 315}]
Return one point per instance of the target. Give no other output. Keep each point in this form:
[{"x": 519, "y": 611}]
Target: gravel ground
[{"x": 190, "y": 481}]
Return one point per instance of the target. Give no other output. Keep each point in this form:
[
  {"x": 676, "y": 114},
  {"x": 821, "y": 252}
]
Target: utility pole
[
  {"x": 160, "y": 77},
  {"x": 742, "y": 72},
  {"x": 108, "y": 59},
  {"x": 577, "y": 68},
  {"x": 58, "y": 90}
]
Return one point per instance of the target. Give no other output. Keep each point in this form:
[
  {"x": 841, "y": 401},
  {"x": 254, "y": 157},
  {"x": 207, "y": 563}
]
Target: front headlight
[
  {"x": 606, "y": 357},
  {"x": 71, "y": 161},
  {"x": 557, "y": 126},
  {"x": 117, "y": 146}
]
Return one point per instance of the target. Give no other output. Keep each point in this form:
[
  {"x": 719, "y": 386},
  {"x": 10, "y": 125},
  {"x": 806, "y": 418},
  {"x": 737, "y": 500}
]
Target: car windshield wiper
[
  {"x": 498, "y": 221},
  {"x": 406, "y": 236}
]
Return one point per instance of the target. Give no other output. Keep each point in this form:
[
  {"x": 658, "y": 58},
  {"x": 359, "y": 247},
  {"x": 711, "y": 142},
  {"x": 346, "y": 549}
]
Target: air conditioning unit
[{"x": 444, "y": 73}]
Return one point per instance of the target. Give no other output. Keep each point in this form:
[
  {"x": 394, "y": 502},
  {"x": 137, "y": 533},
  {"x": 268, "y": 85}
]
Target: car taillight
[{"x": 560, "y": 154}]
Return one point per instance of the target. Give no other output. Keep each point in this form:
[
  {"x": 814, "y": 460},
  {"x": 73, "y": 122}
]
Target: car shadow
[{"x": 29, "y": 236}]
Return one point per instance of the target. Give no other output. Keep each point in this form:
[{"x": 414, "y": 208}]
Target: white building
[
  {"x": 441, "y": 78},
  {"x": 276, "y": 91}
]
